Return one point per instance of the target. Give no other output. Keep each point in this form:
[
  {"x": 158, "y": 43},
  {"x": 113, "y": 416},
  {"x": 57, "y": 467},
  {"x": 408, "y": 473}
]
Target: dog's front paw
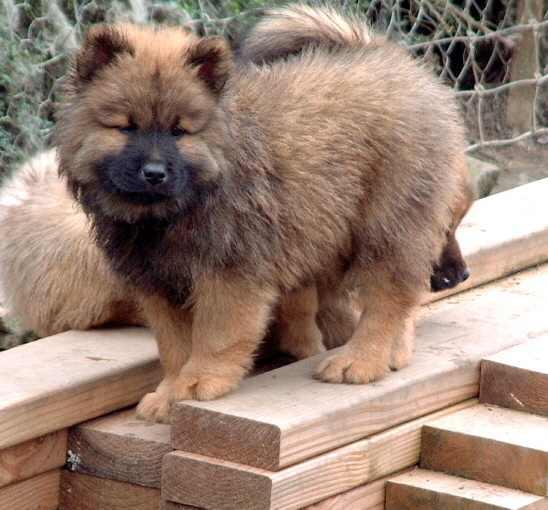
[
  {"x": 205, "y": 383},
  {"x": 154, "y": 407},
  {"x": 345, "y": 368}
]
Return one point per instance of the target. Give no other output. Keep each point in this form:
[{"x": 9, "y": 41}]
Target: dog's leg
[
  {"x": 383, "y": 336},
  {"x": 296, "y": 323},
  {"x": 230, "y": 318},
  {"x": 172, "y": 330},
  {"x": 402, "y": 346},
  {"x": 337, "y": 315}
]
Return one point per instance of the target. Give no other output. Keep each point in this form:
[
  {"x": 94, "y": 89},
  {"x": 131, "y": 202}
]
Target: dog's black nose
[{"x": 154, "y": 173}]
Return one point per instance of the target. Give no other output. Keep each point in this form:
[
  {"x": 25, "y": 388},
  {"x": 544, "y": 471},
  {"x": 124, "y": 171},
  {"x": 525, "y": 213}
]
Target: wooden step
[
  {"x": 68, "y": 378},
  {"x": 490, "y": 444},
  {"x": 34, "y": 457},
  {"x": 120, "y": 447},
  {"x": 212, "y": 483},
  {"x": 40, "y": 491},
  {"x": 79, "y": 491},
  {"x": 428, "y": 490},
  {"x": 285, "y": 416},
  {"x": 518, "y": 377},
  {"x": 369, "y": 496}
]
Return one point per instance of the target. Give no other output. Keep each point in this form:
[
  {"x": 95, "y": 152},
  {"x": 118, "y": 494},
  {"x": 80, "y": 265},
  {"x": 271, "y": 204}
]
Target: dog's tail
[
  {"x": 290, "y": 30},
  {"x": 18, "y": 189}
]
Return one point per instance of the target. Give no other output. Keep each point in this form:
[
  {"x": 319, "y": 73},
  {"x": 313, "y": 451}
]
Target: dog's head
[
  {"x": 451, "y": 268},
  {"x": 140, "y": 127}
]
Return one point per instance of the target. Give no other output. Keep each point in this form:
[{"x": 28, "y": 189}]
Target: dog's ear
[
  {"x": 211, "y": 58},
  {"x": 102, "y": 45}
]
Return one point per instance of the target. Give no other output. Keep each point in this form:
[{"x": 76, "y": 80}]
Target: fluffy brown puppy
[
  {"x": 52, "y": 276},
  {"x": 217, "y": 189}
]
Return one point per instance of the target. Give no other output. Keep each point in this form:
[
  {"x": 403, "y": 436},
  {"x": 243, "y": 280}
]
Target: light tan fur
[{"x": 52, "y": 275}]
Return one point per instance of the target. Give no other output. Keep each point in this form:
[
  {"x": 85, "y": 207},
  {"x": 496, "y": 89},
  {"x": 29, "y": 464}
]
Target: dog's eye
[
  {"x": 128, "y": 130},
  {"x": 177, "y": 132}
]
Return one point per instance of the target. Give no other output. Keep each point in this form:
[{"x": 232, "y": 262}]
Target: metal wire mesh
[{"x": 494, "y": 53}]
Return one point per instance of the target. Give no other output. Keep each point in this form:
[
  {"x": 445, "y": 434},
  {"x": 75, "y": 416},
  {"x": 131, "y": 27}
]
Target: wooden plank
[
  {"x": 198, "y": 480},
  {"x": 285, "y": 416},
  {"x": 428, "y": 490},
  {"x": 39, "y": 492},
  {"x": 207, "y": 482},
  {"x": 33, "y": 457},
  {"x": 120, "y": 447},
  {"x": 518, "y": 377},
  {"x": 494, "y": 244},
  {"x": 72, "y": 377},
  {"x": 370, "y": 496},
  {"x": 85, "y": 492},
  {"x": 490, "y": 444},
  {"x": 170, "y": 505}
]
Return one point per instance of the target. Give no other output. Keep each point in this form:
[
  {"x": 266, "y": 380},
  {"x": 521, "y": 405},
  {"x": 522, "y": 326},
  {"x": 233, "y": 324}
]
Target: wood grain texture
[
  {"x": 40, "y": 492},
  {"x": 370, "y": 496},
  {"x": 84, "y": 492},
  {"x": 33, "y": 457},
  {"x": 211, "y": 483},
  {"x": 428, "y": 490},
  {"x": 206, "y": 482},
  {"x": 285, "y": 416},
  {"x": 518, "y": 377},
  {"x": 72, "y": 377},
  {"x": 490, "y": 444},
  {"x": 120, "y": 447}
]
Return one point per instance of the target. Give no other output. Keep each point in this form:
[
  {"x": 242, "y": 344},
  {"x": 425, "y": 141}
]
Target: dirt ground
[{"x": 519, "y": 164}]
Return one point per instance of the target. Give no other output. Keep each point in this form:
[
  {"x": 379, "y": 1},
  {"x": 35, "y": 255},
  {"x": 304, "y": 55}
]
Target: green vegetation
[{"x": 37, "y": 37}]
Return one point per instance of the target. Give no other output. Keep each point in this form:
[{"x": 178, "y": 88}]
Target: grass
[{"x": 38, "y": 38}]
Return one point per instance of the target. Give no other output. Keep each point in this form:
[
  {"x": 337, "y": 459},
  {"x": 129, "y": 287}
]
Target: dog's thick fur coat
[
  {"x": 219, "y": 189},
  {"x": 52, "y": 275}
]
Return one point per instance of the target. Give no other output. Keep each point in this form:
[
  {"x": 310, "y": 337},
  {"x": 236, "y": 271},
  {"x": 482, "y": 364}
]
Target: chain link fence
[{"x": 494, "y": 53}]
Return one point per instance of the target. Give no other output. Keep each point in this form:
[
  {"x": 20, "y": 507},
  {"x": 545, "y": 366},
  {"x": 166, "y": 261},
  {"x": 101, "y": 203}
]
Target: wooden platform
[
  {"x": 284, "y": 440},
  {"x": 322, "y": 440},
  {"x": 486, "y": 457},
  {"x": 427, "y": 490}
]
